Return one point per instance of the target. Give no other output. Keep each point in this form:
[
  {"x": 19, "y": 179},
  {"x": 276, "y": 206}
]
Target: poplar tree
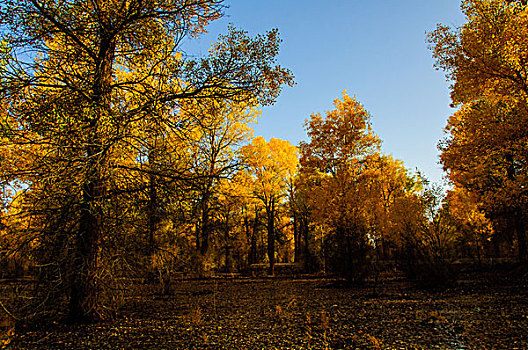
[{"x": 79, "y": 76}]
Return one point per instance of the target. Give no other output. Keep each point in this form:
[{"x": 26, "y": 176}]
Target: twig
[{"x": 9, "y": 313}]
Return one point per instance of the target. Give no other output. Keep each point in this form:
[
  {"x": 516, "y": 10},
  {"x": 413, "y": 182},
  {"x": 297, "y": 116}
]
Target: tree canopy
[
  {"x": 485, "y": 151},
  {"x": 80, "y": 76}
]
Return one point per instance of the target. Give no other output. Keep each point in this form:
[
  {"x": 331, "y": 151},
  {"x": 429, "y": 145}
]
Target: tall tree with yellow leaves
[
  {"x": 338, "y": 157},
  {"x": 486, "y": 150},
  {"x": 217, "y": 130},
  {"x": 62, "y": 78},
  {"x": 272, "y": 166}
]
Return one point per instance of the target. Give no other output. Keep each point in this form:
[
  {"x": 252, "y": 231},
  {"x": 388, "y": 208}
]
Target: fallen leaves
[{"x": 304, "y": 314}]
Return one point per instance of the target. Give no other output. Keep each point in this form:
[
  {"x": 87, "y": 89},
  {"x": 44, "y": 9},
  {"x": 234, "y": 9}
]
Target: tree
[
  {"x": 218, "y": 129},
  {"x": 485, "y": 151},
  {"x": 476, "y": 228},
  {"x": 81, "y": 75},
  {"x": 341, "y": 150},
  {"x": 250, "y": 211},
  {"x": 272, "y": 166},
  {"x": 390, "y": 182},
  {"x": 424, "y": 234},
  {"x": 341, "y": 139},
  {"x": 231, "y": 217}
]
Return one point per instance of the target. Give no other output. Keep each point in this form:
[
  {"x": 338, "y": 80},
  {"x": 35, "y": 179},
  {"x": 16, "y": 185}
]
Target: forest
[{"x": 140, "y": 211}]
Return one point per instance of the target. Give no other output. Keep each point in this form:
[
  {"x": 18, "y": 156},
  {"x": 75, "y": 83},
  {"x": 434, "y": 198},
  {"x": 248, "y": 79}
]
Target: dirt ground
[{"x": 244, "y": 313}]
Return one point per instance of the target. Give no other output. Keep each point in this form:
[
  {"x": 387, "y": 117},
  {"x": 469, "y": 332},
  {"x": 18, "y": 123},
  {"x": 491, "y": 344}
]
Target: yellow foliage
[
  {"x": 351, "y": 184},
  {"x": 272, "y": 165},
  {"x": 486, "y": 150}
]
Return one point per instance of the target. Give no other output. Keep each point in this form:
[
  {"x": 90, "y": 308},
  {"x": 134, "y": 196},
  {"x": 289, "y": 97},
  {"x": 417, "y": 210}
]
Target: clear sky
[{"x": 376, "y": 50}]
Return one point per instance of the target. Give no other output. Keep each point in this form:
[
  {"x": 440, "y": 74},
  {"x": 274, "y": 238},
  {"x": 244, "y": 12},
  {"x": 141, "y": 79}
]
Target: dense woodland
[{"x": 125, "y": 161}]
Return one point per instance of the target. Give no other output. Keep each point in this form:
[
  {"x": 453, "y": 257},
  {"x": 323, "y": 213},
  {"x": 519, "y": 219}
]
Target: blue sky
[{"x": 374, "y": 49}]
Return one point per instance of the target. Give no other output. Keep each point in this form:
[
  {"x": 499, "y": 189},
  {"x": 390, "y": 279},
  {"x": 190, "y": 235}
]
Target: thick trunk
[
  {"x": 83, "y": 288},
  {"x": 83, "y": 304}
]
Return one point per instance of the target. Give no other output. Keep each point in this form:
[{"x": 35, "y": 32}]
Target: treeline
[{"x": 124, "y": 159}]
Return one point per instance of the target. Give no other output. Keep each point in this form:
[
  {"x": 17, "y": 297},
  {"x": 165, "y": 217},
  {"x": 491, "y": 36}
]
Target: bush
[{"x": 425, "y": 267}]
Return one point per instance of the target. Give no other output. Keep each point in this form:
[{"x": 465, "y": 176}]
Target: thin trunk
[
  {"x": 197, "y": 230},
  {"x": 477, "y": 246},
  {"x": 496, "y": 247},
  {"x": 153, "y": 214},
  {"x": 520, "y": 230},
  {"x": 206, "y": 207},
  {"x": 296, "y": 238},
  {"x": 204, "y": 247},
  {"x": 253, "y": 249},
  {"x": 270, "y": 211},
  {"x": 248, "y": 236},
  {"x": 305, "y": 232},
  {"x": 228, "y": 260},
  {"x": 518, "y": 219},
  {"x": 227, "y": 245}
]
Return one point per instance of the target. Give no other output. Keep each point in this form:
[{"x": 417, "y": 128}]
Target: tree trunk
[
  {"x": 227, "y": 250},
  {"x": 518, "y": 219},
  {"x": 152, "y": 213},
  {"x": 306, "y": 241},
  {"x": 296, "y": 238},
  {"x": 520, "y": 230},
  {"x": 197, "y": 230},
  {"x": 248, "y": 237},
  {"x": 204, "y": 246},
  {"x": 83, "y": 288},
  {"x": 253, "y": 254},
  {"x": 271, "y": 238},
  {"x": 477, "y": 248},
  {"x": 83, "y": 303}
]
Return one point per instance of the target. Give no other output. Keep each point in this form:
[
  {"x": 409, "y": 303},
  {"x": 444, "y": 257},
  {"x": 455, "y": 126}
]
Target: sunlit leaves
[
  {"x": 487, "y": 55},
  {"x": 339, "y": 139},
  {"x": 350, "y": 187},
  {"x": 109, "y": 103},
  {"x": 272, "y": 165},
  {"x": 485, "y": 151}
]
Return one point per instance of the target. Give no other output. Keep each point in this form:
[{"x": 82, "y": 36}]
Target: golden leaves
[
  {"x": 350, "y": 183},
  {"x": 272, "y": 164},
  {"x": 485, "y": 152},
  {"x": 341, "y": 138},
  {"x": 487, "y": 55}
]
